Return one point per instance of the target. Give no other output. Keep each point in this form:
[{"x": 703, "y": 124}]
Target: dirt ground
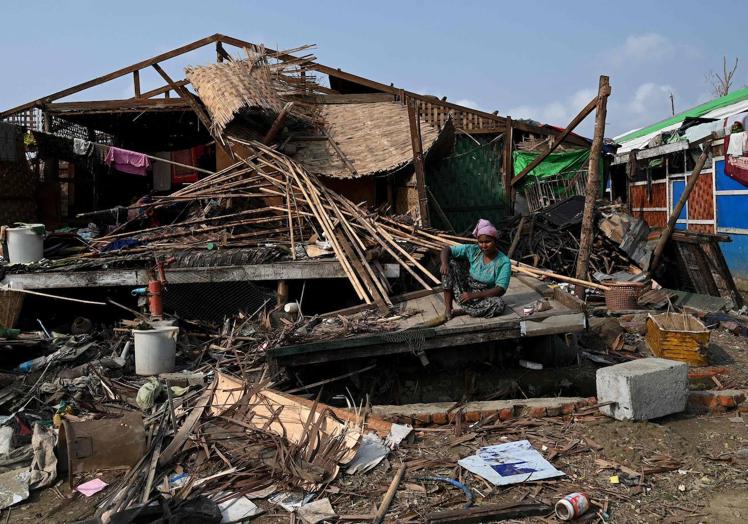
[{"x": 695, "y": 467}]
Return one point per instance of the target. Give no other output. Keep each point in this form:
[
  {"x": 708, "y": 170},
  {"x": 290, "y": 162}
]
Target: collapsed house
[{"x": 263, "y": 234}]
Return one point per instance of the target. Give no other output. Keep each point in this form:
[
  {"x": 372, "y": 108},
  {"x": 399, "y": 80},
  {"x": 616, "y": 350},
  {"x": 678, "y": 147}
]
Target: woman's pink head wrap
[{"x": 484, "y": 227}]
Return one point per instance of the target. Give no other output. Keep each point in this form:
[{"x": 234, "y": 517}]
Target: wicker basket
[
  {"x": 10, "y": 307},
  {"x": 622, "y": 295},
  {"x": 678, "y": 336}
]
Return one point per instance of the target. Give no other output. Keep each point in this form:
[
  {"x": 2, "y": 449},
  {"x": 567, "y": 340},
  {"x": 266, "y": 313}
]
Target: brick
[
  {"x": 506, "y": 414},
  {"x": 568, "y": 408},
  {"x": 537, "y": 412},
  {"x": 554, "y": 411},
  {"x": 472, "y": 416},
  {"x": 439, "y": 418}
]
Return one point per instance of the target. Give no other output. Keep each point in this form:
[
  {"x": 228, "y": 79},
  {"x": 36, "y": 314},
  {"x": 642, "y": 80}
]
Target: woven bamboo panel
[
  {"x": 701, "y": 201},
  {"x": 374, "y": 137},
  {"x": 654, "y": 218},
  {"x": 11, "y": 303}
]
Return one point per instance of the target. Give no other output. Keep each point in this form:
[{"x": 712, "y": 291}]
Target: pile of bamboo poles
[{"x": 268, "y": 198}]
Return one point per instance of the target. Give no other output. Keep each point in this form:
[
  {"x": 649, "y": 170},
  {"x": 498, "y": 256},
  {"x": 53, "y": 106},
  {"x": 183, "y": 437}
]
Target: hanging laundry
[
  {"x": 736, "y": 165},
  {"x": 127, "y": 161},
  {"x": 736, "y": 144},
  {"x": 82, "y": 147}
]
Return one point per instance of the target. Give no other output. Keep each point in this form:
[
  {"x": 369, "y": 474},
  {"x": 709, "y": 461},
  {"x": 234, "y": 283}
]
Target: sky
[{"x": 528, "y": 59}]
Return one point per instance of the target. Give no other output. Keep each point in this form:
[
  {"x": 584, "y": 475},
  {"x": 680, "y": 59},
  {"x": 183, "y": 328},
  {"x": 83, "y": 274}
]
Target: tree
[{"x": 721, "y": 83}]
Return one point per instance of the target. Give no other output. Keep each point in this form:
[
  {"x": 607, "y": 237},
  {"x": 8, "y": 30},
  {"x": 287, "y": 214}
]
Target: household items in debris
[
  {"x": 504, "y": 464},
  {"x": 678, "y": 336}
]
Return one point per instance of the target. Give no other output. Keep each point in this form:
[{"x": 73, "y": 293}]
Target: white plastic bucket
[
  {"x": 25, "y": 243},
  {"x": 155, "y": 350}
]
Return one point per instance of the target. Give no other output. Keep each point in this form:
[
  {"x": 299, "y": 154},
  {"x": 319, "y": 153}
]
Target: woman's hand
[
  {"x": 466, "y": 297},
  {"x": 444, "y": 269}
]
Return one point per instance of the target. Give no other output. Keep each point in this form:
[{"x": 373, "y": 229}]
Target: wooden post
[
  {"x": 593, "y": 182},
  {"x": 136, "y": 83},
  {"x": 631, "y": 168},
  {"x": 665, "y": 236},
  {"x": 508, "y": 164},
  {"x": 415, "y": 139},
  {"x": 517, "y": 236},
  {"x": 277, "y": 124}
]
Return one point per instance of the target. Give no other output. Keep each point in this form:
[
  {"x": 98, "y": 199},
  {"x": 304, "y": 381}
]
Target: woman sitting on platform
[{"x": 477, "y": 275}]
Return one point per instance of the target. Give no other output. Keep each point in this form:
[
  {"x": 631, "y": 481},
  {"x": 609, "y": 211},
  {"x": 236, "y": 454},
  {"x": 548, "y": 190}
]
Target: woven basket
[
  {"x": 10, "y": 307},
  {"x": 622, "y": 295},
  {"x": 678, "y": 336}
]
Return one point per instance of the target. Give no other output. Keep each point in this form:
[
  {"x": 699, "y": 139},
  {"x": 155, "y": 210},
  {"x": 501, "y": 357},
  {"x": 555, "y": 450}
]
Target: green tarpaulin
[{"x": 553, "y": 164}]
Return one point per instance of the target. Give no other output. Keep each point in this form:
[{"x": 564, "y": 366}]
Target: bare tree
[{"x": 721, "y": 82}]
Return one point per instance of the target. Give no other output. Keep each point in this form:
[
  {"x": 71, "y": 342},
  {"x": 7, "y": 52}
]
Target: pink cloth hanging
[{"x": 127, "y": 161}]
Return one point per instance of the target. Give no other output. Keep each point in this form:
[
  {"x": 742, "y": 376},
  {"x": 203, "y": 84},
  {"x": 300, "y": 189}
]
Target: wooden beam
[
  {"x": 559, "y": 139},
  {"x": 130, "y": 105},
  {"x": 357, "y": 98},
  {"x": 418, "y": 165},
  {"x": 164, "y": 89},
  {"x": 692, "y": 180},
  {"x": 111, "y": 76},
  {"x": 593, "y": 182}
]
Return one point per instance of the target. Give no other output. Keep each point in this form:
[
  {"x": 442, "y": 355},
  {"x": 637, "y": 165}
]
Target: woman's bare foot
[{"x": 457, "y": 312}]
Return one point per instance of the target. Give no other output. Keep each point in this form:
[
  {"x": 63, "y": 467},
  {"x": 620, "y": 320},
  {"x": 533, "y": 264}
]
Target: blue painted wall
[{"x": 732, "y": 211}]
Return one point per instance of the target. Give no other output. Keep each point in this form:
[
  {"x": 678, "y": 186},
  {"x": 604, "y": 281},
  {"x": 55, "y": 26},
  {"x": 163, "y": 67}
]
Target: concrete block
[{"x": 643, "y": 389}]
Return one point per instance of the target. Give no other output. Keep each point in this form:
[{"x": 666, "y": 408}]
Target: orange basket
[{"x": 622, "y": 295}]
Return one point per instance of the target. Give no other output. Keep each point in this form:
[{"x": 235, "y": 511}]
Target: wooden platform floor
[{"x": 421, "y": 331}]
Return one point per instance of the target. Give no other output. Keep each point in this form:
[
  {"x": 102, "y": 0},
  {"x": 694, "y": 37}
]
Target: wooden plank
[
  {"x": 318, "y": 269},
  {"x": 554, "y": 325},
  {"x": 510, "y": 330},
  {"x": 111, "y": 76}
]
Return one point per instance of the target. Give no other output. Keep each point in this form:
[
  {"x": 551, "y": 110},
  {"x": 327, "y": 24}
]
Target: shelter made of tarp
[{"x": 553, "y": 164}]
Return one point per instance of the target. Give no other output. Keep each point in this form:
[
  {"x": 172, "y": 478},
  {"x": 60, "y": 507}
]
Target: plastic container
[
  {"x": 572, "y": 506},
  {"x": 25, "y": 243},
  {"x": 155, "y": 350}
]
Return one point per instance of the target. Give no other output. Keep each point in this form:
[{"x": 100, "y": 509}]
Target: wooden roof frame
[{"x": 50, "y": 103}]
